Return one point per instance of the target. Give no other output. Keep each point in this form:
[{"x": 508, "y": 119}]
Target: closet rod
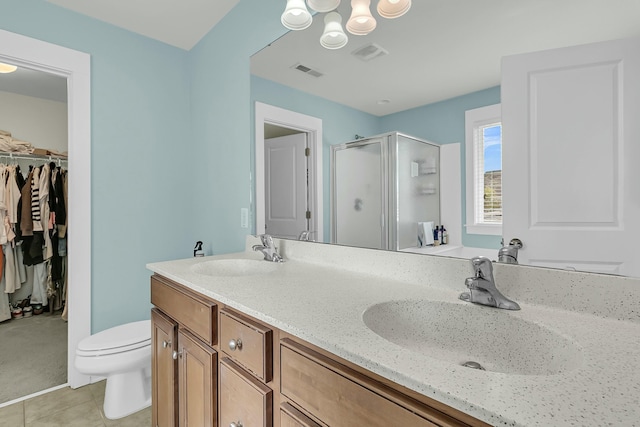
[{"x": 23, "y": 156}]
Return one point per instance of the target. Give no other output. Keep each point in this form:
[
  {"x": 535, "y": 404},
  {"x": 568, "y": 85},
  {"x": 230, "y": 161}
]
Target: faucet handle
[
  {"x": 267, "y": 240},
  {"x": 482, "y": 267}
]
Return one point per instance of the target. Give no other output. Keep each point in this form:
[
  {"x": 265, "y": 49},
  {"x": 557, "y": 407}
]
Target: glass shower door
[{"x": 359, "y": 194}]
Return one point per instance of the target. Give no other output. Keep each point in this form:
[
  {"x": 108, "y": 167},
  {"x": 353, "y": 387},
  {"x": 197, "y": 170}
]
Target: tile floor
[{"x": 68, "y": 408}]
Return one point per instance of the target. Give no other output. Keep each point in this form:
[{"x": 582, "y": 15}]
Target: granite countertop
[{"x": 323, "y": 303}]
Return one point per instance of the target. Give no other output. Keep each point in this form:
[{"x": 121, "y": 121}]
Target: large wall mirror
[{"x": 438, "y": 51}]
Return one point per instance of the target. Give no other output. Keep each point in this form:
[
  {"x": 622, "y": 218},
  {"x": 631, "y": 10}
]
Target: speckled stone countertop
[{"x": 321, "y": 293}]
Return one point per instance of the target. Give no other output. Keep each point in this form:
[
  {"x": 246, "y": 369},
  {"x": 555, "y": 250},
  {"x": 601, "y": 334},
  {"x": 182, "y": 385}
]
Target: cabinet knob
[
  {"x": 233, "y": 345},
  {"x": 166, "y": 344},
  {"x": 236, "y": 424},
  {"x": 176, "y": 354}
]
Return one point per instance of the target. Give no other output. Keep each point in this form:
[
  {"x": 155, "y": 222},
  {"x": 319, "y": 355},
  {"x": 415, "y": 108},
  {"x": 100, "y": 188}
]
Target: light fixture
[
  {"x": 393, "y": 8},
  {"x": 361, "y": 22},
  {"x": 323, "y": 5},
  {"x": 333, "y": 36},
  {"x": 7, "y": 68},
  {"x": 296, "y": 16}
]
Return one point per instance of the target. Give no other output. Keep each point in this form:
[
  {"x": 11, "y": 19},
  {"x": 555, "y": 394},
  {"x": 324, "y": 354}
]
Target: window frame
[{"x": 474, "y": 119}]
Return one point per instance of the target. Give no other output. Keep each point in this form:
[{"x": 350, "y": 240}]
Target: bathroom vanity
[{"x": 348, "y": 336}]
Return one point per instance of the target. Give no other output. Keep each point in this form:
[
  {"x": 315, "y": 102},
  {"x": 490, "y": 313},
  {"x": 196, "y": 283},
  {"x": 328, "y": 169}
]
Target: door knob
[
  {"x": 236, "y": 424},
  {"x": 166, "y": 344},
  {"x": 235, "y": 344},
  {"x": 176, "y": 354}
]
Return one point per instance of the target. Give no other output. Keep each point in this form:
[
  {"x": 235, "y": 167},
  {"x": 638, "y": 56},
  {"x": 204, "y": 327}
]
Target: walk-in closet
[{"x": 33, "y": 234}]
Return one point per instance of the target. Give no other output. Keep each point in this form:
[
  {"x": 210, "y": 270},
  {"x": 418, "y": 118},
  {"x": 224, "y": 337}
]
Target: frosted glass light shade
[
  {"x": 333, "y": 36},
  {"x": 323, "y": 5},
  {"x": 7, "y": 68},
  {"x": 393, "y": 8},
  {"x": 361, "y": 21},
  {"x": 296, "y": 16}
]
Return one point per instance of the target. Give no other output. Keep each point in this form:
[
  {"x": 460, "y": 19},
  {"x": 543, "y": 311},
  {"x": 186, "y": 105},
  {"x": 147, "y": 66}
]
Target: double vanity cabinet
[{"x": 216, "y": 366}]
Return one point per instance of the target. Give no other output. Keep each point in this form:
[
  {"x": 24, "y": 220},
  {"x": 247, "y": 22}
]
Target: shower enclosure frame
[{"x": 390, "y": 187}]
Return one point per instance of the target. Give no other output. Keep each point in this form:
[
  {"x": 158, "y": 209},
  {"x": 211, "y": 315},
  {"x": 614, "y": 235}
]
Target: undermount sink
[
  {"x": 495, "y": 339},
  {"x": 234, "y": 267}
]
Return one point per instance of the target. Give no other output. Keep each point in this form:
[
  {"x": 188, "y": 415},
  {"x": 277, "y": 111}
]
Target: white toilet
[{"x": 122, "y": 354}]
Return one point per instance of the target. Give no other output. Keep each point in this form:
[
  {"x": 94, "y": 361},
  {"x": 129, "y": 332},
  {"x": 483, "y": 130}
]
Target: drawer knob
[
  {"x": 234, "y": 424},
  {"x": 233, "y": 345},
  {"x": 166, "y": 344},
  {"x": 176, "y": 354}
]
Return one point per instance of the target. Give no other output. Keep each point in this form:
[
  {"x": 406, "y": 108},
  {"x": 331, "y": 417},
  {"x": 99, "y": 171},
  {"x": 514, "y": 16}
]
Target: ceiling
[
  {"x": 179, "y": 23},
  {"x": 439, "y": 49},
  {"x": 37, "y": 84}
]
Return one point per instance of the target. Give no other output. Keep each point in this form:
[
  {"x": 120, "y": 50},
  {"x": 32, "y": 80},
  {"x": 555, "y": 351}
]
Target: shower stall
[{"x": 381, "y": 188}]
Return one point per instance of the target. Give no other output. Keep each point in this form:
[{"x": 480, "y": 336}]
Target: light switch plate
[{"x": 244, "y": 217}]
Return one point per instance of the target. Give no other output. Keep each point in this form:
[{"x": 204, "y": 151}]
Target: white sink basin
[
  {"x": 458, "y": 333},
  {"x": 234, "y": 267}
]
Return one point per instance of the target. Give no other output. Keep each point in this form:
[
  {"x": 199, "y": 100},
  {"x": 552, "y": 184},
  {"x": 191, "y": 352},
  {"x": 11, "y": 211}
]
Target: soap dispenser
[{"x": 197, "y": 251}]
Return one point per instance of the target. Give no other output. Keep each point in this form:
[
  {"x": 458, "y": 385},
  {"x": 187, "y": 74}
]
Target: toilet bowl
[{"x": 122, "y": 354}]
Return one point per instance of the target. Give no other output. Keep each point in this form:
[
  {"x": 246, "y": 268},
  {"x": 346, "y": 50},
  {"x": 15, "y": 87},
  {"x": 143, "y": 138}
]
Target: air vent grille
[
  {"x": 307, "y": 70},
  {"x": 369, "y": 52}
]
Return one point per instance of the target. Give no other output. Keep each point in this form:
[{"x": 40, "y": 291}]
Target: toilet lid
[{"x": 129, "y": 336}]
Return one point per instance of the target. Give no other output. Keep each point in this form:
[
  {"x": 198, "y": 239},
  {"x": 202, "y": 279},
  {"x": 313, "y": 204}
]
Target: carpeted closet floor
[{"x": 33, "y": 355}]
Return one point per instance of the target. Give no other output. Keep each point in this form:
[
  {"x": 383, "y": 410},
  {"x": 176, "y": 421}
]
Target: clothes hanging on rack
[{"x": 33, "y": 227}]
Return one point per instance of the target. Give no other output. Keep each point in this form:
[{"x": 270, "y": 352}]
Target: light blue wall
[
  {"x": 142, "y": 148},
  {"x": 339, "y": 123},
  {"x": 221, "y": 120}
]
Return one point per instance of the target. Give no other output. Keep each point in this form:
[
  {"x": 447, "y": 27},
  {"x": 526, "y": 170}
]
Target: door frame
[
  {"x": 312, "y": 126},
  {"x": 75, "y": 66}
]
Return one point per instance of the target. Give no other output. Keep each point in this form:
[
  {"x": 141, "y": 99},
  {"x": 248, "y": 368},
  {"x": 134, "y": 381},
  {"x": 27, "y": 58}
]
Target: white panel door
[
  {"x": 571, "y": 156},
  {"x": 286, "y": 185}
]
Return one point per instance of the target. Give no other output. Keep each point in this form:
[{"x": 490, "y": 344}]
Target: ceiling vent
[
  {"x": 369, "y": 52},
  {"x": 307, "y": 70}
]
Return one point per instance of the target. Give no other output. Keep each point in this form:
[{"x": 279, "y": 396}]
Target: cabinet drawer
[
  {"x": 248, "y": 343},
  {"x": 188, "y": 309},
  {"x": 291, "y": 417},
  {"x": 243, "y": 399},
  {"x": 323, "y": 388}
]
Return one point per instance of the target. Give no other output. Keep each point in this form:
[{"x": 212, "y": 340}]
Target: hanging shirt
[{"x": 35, "y": 200}]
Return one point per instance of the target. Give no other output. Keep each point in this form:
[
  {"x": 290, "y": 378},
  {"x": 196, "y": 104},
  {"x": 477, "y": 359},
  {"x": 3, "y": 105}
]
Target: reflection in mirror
[
  {"x": 445, "y": 60},
  {"x": 382, "y": 189}
]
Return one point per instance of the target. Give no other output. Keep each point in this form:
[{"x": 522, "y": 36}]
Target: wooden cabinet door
[
  {"x": 197, "y": 373},
  {"x": 244, "y": 401},
  {"x": 164, "y": 339}
]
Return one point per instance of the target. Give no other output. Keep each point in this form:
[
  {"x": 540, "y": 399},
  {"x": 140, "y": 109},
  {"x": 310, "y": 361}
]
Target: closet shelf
[{"x": 37, "y": 156}]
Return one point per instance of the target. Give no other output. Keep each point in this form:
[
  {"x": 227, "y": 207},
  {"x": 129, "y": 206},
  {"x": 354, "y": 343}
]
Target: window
[{"x": 483, "y": 142}]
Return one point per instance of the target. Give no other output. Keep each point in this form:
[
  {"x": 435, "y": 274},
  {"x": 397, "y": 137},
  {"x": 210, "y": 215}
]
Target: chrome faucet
[
  {"x": 482, "y": 287},
  {"x": 509, "y": 254},
  {"x": 268, "y": 249},
  {"x": 305, "y": 236}
]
